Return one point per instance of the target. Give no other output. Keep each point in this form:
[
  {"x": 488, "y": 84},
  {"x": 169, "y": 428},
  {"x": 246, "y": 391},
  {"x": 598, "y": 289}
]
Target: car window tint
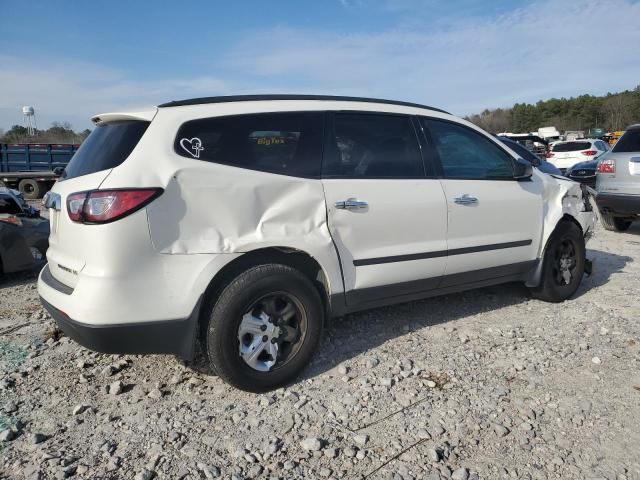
[
  {"x": 521, "y": 150},
  {"x": 373, "y": 146},
  {"x": 629, "y": 142},
  {"x": 571, "y": 146},
  {"x": 283, "y": 143},
  {"x": 9, "y": 206},
  {"x": 108, "y": 146},
  {"x": 467, "y": 154}
]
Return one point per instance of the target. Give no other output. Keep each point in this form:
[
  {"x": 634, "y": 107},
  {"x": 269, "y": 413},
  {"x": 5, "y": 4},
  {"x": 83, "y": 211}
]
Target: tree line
[
  {"x": 613, "y": 111},
  {"x": 59, "y": 132}
]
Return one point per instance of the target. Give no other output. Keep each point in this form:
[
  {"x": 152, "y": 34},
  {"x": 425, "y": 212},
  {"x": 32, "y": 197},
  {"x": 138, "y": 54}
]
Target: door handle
[
  {"x": 465, "y": 199},
  {"x": 351, "y": 204}
]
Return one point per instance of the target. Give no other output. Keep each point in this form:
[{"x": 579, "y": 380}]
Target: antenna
[{"x": 29, "y": 120}]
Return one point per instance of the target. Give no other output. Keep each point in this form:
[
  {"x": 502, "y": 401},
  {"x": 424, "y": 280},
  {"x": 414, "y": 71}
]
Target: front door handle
[
  {"x": 351, "y": 204},
  {"x": 465, "y": 199}
]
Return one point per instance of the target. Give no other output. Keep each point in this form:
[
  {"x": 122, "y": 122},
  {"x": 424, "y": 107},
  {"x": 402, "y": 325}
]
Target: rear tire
[
  {"x": 614, "y": 224},
  {"x": 257, "y": 299},
  {"x": 563, "y": 264},
  {"x": 30, "y": 189}
]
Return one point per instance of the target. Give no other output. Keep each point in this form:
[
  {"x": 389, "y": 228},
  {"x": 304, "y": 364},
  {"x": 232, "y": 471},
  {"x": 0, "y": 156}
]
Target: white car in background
[
  {"x": 247, "y": 222},
  {"x": 566, "y": 154}
]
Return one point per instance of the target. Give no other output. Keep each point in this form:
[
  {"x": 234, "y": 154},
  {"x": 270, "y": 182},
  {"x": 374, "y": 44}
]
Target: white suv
[
  {"x": 247, "y": 222},
  {"x": 566, "y": 154}
]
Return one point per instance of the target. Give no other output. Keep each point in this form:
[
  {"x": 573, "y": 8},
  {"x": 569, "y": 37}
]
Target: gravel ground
[{"x": 486, "y": 384}]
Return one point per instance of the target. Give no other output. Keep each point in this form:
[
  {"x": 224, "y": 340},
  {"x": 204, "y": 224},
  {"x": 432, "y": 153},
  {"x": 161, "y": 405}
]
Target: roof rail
[{"x": 253, "y": 98}]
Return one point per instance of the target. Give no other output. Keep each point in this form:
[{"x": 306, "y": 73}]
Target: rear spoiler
[{"x": 146, "y": 115}]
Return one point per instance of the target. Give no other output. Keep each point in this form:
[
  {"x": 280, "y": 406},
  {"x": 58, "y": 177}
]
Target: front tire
[
  {"x": 614, "y": 224},
  {"x": 563, "y": 264},
  {"x": 264, "y": 327}
]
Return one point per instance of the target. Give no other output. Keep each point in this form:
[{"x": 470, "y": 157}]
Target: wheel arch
[
  {"x": 535, "y": 276},
  {"x": 292, "y": 257}
]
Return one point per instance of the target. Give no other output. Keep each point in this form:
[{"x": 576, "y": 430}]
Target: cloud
[
  {"x": 64, "y": 90},
  {"x": 463, "y": 64},
  {"x": 548, "y": 48}
]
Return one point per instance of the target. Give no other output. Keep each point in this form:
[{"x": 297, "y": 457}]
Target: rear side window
[
  {"x": 283, "y": 143},
  {"x": 373, "y": 146},
  {"x": 106, "y": 147},
  {"x": 466, "y": 154},
  {"x": 571, "y": 146},
  {"x": 629, "y": 142}
]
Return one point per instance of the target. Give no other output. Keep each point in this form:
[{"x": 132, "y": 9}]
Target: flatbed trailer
[{"x": 32, "y": 168}]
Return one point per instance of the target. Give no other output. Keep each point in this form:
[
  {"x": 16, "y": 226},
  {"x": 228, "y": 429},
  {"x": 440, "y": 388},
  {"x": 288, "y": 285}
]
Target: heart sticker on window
[{"x": 193, "y": 146}]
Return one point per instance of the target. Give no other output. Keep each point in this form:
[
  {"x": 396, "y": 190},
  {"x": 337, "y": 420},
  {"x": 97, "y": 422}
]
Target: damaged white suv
[{"x": 246, "y": 222}]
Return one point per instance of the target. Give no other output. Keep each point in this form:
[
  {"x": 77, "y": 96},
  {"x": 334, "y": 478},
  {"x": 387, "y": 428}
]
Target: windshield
[{"x": 106, "y": 147}]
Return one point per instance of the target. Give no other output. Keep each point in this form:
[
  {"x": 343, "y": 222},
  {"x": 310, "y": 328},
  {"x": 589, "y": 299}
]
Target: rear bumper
[
  {"x": 618, "y": 204},
  {"x": 176, "y": 337}
]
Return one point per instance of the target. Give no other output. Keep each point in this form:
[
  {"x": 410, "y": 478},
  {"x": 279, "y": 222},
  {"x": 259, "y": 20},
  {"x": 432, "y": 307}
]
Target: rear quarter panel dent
[{"x": 217, "y": 209}]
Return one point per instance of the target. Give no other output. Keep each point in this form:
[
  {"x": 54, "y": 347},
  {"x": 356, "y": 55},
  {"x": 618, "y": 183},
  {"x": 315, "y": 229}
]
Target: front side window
[
  {"x": 466, "y": 154},
  {"x": 282, "y": 143},
  {"x": 366, "y": 145}
]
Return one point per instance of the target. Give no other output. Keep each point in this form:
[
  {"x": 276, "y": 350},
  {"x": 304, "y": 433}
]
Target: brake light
[
  {"x": 589, "y": 152},
  {"x": 548, "y": 154},
  {"x": 104, "y": 206},
  {"x": 11, "y": 219},
  {"x": 608, "y": 165}
]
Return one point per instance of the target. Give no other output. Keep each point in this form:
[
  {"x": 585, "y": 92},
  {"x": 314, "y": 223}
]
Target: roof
[{"x": 258, "y": 98}]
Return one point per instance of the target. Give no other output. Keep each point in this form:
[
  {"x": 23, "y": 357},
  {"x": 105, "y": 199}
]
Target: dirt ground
[{"x": 485, "y": 384}]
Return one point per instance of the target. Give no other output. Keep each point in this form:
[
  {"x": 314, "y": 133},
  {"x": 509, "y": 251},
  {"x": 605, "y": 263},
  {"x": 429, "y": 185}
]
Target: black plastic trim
[
  {"x": 440, "y": 253},
  {"x": 366, "y": 298},
  {"x": 363, "y": 299},
  {"x": 175, "y": 337},
  {"x": 254, "y": 98},
  {"x": 54, "y": 283},
  {"x": 618, "y": 203}
]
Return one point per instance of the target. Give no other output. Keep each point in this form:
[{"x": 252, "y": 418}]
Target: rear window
[
  {"x": 571, "y": 146},
  {"x": 629, "y": 142},
  {"x": 284, "y": 143},
  {"x": 106, "y": 147}
]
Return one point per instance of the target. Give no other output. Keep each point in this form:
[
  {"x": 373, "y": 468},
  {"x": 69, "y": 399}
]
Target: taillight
[
  {"x": 589, "y": 152},
  {"x": 548, "y": 154},
  {"x": 104, "y": 206},
  {"x": 607, "y": 165}
]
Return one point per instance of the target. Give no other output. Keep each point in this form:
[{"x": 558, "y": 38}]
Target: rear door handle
[
  {"x": 351, "y": 204},
  {"x": 465, "y": 199}
]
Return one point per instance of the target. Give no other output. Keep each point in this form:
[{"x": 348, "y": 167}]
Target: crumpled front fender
[{"x": 563, "y": 199}]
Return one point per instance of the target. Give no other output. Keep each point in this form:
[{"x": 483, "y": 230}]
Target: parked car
[
  {"x": 247, "y": 222},
  {"x": 23, "y": 233},
  {"x": 530, "y": 157},
  {"x": 584, "y": 172},
  {"x": 618, "y": 182},
  {"x": 566, "y": 154}
]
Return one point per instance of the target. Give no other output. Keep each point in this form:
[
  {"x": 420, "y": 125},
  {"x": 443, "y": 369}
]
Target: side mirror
[
  {"x": 58, "y": 171},
  {"x": 522, "y": 169}
]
